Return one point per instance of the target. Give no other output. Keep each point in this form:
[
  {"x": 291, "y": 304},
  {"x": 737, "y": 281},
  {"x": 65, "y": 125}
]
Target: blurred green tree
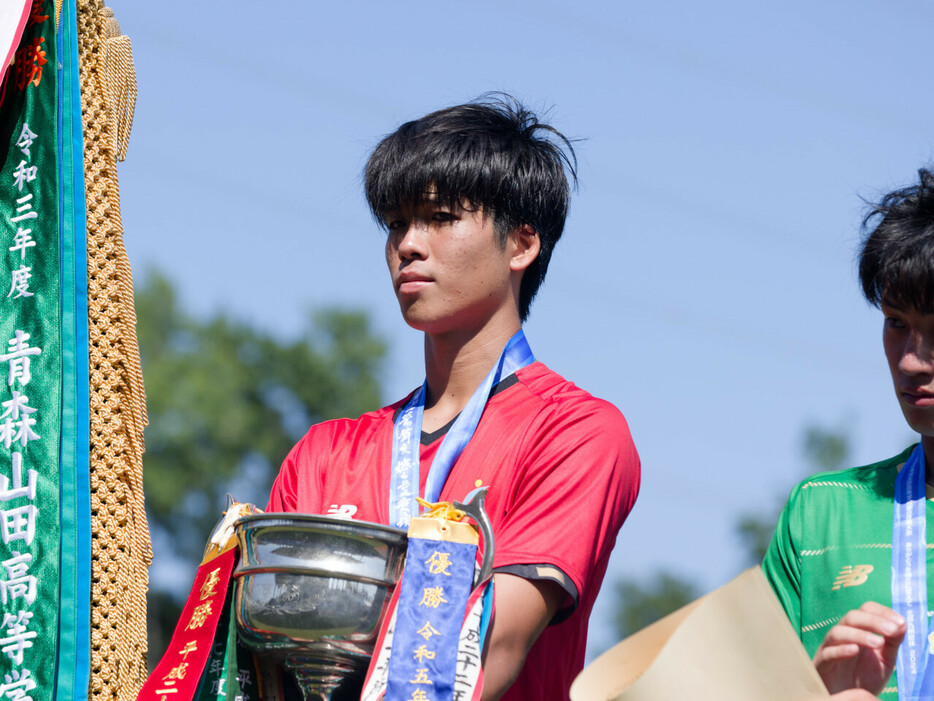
[
  {"x": 643, "y": 600},
  {"x": 226, "y": 402},
  {"x": 824, "y": 450}
]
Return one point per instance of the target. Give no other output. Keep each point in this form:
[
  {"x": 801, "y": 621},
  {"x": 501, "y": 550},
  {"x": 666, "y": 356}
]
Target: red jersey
[{"x": 563, "y": 475}]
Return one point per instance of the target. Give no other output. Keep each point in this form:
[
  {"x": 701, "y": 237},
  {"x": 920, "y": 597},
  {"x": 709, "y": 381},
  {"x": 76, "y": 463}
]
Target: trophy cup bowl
[{"x": 311, "y": 593}]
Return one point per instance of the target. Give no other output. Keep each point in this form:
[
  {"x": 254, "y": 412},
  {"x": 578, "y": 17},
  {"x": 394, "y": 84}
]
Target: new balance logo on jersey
[
  {"x": 852, "y": 576},
  {"x": 342, "y": 510}
]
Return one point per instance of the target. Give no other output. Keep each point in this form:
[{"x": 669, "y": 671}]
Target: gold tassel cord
[
  {"x": 121, "y": 82},
  {"x": 120, "y": 546}
]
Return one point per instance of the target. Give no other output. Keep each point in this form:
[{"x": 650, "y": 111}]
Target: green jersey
[{"x": 832, "y": 549}]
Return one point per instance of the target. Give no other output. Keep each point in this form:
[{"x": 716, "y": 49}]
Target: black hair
[
  {"x": 493, "y": 153},
  {"x": 896, "y": 259}
]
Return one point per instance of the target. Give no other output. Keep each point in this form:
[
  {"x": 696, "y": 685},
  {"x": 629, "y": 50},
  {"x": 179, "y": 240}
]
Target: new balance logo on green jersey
[{"x": 852, "y": 576}]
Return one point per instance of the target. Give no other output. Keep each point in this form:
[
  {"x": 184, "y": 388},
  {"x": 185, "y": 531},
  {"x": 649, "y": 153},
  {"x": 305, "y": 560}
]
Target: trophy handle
[
  {"x": 223, "y": 534},
  {"x": 475, "y": 507}
]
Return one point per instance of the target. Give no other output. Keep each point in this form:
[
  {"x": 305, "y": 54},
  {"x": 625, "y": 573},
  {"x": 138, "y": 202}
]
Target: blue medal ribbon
[
  {"x": 407, "y": 433},
  {"x": 913, "y": 666}
]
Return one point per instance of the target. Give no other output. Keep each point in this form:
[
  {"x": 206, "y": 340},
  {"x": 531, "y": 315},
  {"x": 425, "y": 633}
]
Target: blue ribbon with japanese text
[{"x": 431, "y": 646}]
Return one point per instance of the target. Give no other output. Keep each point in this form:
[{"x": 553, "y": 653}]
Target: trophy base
[{"x": 326, "y": 680}]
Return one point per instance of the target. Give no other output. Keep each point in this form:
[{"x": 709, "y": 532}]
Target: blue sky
[{"x": 705, "y": 283}]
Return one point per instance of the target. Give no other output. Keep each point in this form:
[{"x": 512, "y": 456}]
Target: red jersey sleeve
[
  {"x": 576, "y": 483},
  {"x": 293, "y": 489}
]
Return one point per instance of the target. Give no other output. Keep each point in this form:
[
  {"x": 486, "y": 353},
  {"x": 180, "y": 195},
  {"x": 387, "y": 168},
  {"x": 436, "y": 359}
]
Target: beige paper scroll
[{"x": 735, "y": 644}]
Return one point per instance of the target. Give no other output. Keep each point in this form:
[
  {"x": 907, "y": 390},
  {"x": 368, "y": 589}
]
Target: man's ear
[{"x": 525, "y": 247}]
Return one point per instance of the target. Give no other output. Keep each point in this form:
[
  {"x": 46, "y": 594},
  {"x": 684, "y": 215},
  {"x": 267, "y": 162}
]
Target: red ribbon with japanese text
[{"x": 176, "y": 676}]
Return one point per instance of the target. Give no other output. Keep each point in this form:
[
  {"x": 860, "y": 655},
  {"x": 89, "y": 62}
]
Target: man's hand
[
  {"x": 523, "y": 608},
  {"x": 859, "y": 652},
  {"x": 854, "y": 695}
]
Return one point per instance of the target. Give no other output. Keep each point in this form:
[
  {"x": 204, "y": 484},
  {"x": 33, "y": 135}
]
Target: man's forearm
[{"x": 522, "y": 610}]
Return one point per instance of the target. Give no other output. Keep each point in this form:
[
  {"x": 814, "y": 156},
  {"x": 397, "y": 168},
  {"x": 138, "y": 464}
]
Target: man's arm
[
  {"x": 859, "y": 652},
  {"x": 782, "y": 562},
  {"x": 523, "y": 608},
  {"x": 576, "y": 464}
]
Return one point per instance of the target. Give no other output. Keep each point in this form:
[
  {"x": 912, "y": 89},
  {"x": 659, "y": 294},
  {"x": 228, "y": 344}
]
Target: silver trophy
[{"x": 312, "y": 591}]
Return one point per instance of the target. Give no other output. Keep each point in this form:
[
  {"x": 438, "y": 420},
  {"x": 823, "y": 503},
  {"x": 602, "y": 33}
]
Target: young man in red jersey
[{"x": 473, "y": 199}]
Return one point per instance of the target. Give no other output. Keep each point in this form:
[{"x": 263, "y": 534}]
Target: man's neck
[{"x": 455, "y": 366}]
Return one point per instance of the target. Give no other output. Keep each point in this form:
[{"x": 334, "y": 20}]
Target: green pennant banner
[{"x": 31, "y": 366}]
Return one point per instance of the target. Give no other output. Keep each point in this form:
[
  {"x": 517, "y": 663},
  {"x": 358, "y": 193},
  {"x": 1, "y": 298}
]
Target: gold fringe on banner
[
  {"x": 120, "y": 546},
  {"x": 121, "y": 82}
]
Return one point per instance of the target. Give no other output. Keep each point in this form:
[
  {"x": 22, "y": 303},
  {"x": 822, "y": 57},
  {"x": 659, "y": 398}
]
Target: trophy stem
[
  {"x": 319, "y": 685},
  {"x": 313, "y": 689}
]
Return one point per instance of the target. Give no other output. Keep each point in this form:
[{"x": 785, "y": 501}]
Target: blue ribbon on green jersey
[
  {"x": 407, "y": 433},
  {"x": 914, "y": 666}
]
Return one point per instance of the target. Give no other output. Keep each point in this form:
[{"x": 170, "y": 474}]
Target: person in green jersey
[{"x": 831, "y": 558}]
